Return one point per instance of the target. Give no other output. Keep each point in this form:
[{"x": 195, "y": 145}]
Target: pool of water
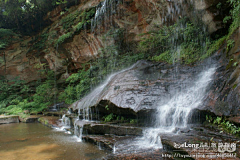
[{"x": 33, "y": 141}]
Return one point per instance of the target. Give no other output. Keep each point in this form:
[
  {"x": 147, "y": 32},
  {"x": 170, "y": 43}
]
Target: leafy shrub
[
  {"x": 235, "y": 12},
  {"x": 78, "y": 85},
  {"x": 109, "y": 117},
  {"x": 223, "y": 124}
]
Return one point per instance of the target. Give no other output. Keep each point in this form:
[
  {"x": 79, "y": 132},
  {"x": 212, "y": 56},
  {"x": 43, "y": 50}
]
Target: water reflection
[{"x": 37, "y": 142}]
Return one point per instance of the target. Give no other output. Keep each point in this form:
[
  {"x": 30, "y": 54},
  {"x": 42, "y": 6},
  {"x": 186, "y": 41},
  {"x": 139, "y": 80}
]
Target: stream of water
[{"x": 28, "y": 141}]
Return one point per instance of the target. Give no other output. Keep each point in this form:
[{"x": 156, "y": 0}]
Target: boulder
[{"x": 9, "y": 119}]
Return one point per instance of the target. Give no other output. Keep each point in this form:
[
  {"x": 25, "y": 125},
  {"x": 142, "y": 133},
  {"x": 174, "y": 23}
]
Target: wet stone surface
[
  {"x": 111, "y": 129},
  {"x": 30, "y": 119},
  {"x": 50, "y": 121}
]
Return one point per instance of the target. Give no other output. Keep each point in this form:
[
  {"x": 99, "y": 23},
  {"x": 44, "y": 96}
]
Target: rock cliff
[{"x": 76, "y": 35}]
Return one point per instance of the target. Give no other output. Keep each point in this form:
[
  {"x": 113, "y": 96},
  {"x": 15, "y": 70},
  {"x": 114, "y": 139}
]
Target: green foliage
[
  {"x": 6, "y": 37},
  {"x": 133, "y": 121},
  {"x": 13, "y": 95},
  {"x": 23, "y": 16},
  {"x": 16, "y": 95},
  {"x": 68, "y": 21},
  {"x": 13, "y": 110},
  {"x": 235, "y": 64},
  {"x": 235, "y": 12},
  {"x": 78, "y": 85},
  {"x": 219, "y": 5},
  {"x": 214, "y": 46},
  {"x": 106, "y": 107},
  {"x": 230, "y": 44},
  {"x": 192, "y": 42},
  {"x": 74, "y": 22},
  {"x": 226, "y": 19},
  {"x": 120, "y": 119},
  {"x": 40, "y": 42},
  {"x": 224, "y": 125},
  {"x": 93, "y": 73},
  {"x": 58, "y": 2},
  {"x": 209, "y": 118},
  {"x": 109, "y": 117},
  {"x": 166, "y": 57},
  {"x": 63, "y": 37},
  {"x": 182, "y": 42},
  {"x": 45, "y": 93},
  {"x": 27, "y": 16}
]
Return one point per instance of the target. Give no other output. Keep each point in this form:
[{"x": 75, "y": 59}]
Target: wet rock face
[
  {"x": 145, "y": 86},
  {"x": 138, "y": 91},
  {"x": 224, "y": 96},
  {"x": 133, "y": 16},
  {"x": 102, "y": 129},
  {"x": 210, "y": 12}
]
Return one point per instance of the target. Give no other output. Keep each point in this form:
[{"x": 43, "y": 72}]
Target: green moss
[
  {"x": 234, "y": 86},
  {"x": 234, "y": 15},
  {"x": 63, "y": 37},
  {"x": 78, "y": 26},
  {"x": 214, "y": 47},
  {"x": 230, "y": 44},
  {"x": 182, "y": 42},
  {"x": 43, "y": 121},
  {"x": 74, "y": 22},
  {"x": 165, "y": 57}
]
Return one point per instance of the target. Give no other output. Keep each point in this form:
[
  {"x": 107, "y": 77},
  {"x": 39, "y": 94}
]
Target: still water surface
[{"x": 33, "y": 141}]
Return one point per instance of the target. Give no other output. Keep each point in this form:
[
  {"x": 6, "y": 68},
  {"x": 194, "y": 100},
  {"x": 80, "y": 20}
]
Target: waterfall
[
  {"x": 65, "y": 124},
  {"x": 93, "y": 97},
  {"x": 78, "y": 130},
  {"x": 65, "y": 121},
  {"x": 175, "y": 113},
  {"x": 103, "y": 14},
  {"x": 85, "y": 113}
]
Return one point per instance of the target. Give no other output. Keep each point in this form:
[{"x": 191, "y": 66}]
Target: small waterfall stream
[{"x": 103, "y": 15}]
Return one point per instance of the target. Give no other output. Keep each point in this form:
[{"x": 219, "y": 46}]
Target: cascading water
[
  {"x": 103, "y": 14},
  {"x": 65, "y": 124},
  {"x": 175, "y": 113},
  {"x": 93, "y": 97},
  {"x": 171, "y": 115},
  {"x": 65, "y": 121},
  {"x": 85, "y": 113}
]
